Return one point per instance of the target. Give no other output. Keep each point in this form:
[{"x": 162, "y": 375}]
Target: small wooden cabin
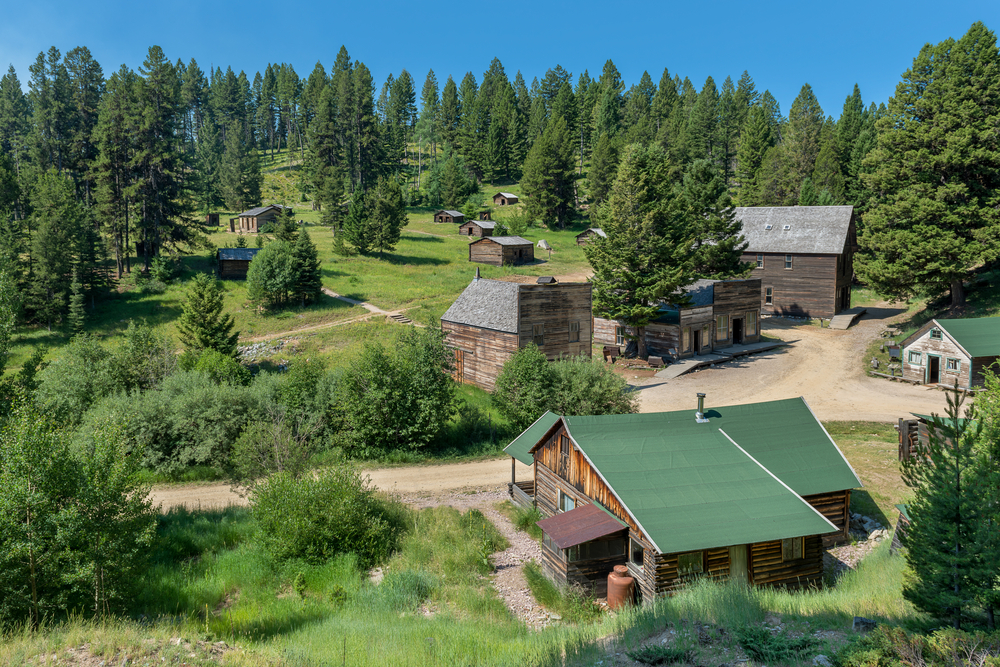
[
  {"x": 492, "y": 319},
  {"x": 477, "y": 228},
  {"x": 718, "y": 314},
  {"x": 212, "y": 219},
  {"x": 915, "y": 434},
  {"x": 585, "y": 237},
  {"x": 504, "y": 199},
  {"x": 233, "y": 263},
  {"x": 250, "y": 222},
  {"x": 947, "y": 352},
  {"x": 803, "y": 255},
  {"x": 449, "y": 216},
  {"x": 749, "y": 492},
  {"x": 501, "y": 251}
]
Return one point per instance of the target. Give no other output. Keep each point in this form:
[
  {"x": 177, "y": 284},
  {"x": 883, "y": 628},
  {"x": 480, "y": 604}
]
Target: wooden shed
[
  {"x": 803, "y": 255},
  {"x": 212, "y": 219},
  {"x": 233, "y": 263},
  {"x": 915, "y": 434},
  {"x": 501, "y": 250},
  {"x": 954, "y": 351},
  {"x": 484, "y": 214},
  {"x": 449, "y": 216},
  {"x": 504, "y": 199},
  {"x": 718, "y": 314},
  {"x": 477, "y": 228},
  {"x": 586, "y": 236},
  {"x": 251, "y": 221},
  {"x": 492, "y": 319},
  {"x": 748, "y": 492}
]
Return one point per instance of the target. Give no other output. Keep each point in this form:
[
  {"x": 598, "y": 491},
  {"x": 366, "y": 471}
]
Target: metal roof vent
[
  {"x": 699, "y": 416},
  {"x": 477, "y": 273},
  {"x": 547, "y": 280},
  {"x": 787, "y": 227},
  {"x": 767, "y": 228}
]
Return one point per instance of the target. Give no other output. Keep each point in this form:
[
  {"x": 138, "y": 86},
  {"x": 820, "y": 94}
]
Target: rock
[
  {"x": 555, "y": 617},
  {"x": 822, "y": 661},
  {"x": 862, "y": 624}
]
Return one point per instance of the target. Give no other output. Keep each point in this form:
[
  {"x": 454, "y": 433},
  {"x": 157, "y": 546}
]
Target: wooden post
[{"x": 513, "y": 470}]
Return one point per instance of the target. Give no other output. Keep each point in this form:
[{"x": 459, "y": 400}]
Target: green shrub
[
  {"x": 572, "y": 603},
  {"x": 526, "y": 519},
  {"x": 764, "y": 646},
  {"x": 660, "y": 655},
  {"x": 330, "y": 512}
]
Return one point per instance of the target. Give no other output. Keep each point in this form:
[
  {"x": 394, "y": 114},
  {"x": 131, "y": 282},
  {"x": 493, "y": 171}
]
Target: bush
[
  {"x": 660, "y": 655},
  {"x": 524, "y": 387},
  {"x": 220, "y": 367},
  {"x": 764, "y": 646},
  {"x": 318, "y": 516},
  {"x": 271, "y": 275}
]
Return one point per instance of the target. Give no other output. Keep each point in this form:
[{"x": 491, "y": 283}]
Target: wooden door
[
  {"x": 933, "y": 369},
  {"x": 737, "y": 331},
  {"x": 738, "y": 570}
]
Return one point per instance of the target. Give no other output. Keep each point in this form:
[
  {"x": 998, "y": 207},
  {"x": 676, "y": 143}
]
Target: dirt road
[{"x": 820, "y": 364}]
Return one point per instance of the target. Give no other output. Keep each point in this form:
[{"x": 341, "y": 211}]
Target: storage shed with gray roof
[
  {"x": 492, "y": 319},
  {"x": 449, "y": 216},
  {"x": 251, "y": 221},
  {"x": 477, "y": 228},
  {"x": 804, "y": 256},
  {"x": 233, "y": 263},
  {"x": 502, "y": 251}
]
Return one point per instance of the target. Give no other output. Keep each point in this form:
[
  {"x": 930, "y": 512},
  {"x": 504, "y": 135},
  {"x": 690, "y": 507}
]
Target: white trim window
[
  {"x": 760, "y": 260},
  {"x": 788, "y": 261},
  {"x": 953, "y": 365},
  {"x": 566, "y": 503},
  {"x": 768, "y": 296},
  {"x": 619, "y": 336}
]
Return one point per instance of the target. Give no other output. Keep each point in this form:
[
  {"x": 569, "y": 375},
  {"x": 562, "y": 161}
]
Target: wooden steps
[
  {"x": 400, "y": 319},
  {"x": 846, "y": 318}
]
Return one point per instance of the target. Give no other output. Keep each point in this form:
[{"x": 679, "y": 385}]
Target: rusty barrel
[{"x": 620, "y": 587}]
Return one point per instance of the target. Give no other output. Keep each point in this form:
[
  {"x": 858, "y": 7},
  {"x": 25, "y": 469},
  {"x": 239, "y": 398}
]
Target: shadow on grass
[
  {"x": 863, "y": 503},
  {"x": 411, "y": 260},
  {"x": 425, "y": 238}
]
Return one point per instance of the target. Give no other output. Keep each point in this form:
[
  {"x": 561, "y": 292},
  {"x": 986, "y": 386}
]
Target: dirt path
[{"x": 822, "y": 365}]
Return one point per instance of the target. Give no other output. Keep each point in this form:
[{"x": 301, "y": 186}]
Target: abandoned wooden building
[
  {"x": 804, "y": 257},
  {"x": 501, "y": 251},
  {"x": 233, "y": 263},
  {"x": 477, "y": 228},
  {"x": 748, "y": 492},
  {"x": 212, "y": 219},
  {"x": 586, "y": 236},
  {"x": 250, "y": 222},
  {"x": 915, "y": 434},
  {"x": 718, "y": 314},
  {"x": 492, "y": 319},
  {"x": 947, "y": 352},
  {"x": 504, "y": 199},
  {"x": 449, "y": 216}
]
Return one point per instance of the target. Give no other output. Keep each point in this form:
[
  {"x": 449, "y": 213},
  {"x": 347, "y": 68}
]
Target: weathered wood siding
[
  {"x": 604, "y": 331},
  {"x": 233, "y": 269},
  {"x": 979, "y": 366},
  {"x": 944, "y": 349},
  {"x": 809, "y": 288},
  {"x": 487, "y": 251},
  {"x": 738, "y": 300},
  {"x": 664, "y": 337},
  {"x": 768, "y": 569},
  {"x": 470, "y": 228},
  {"x": 836, "y": 507},
  {"x": 447, "y": 217},
  {"x": 586, "y": 237},
  {"x": 500, "y": 200},
  {"x": 479, "y": 353},
  {"x": 591, "y": 575},
  {"x": 555, "y": 307}
]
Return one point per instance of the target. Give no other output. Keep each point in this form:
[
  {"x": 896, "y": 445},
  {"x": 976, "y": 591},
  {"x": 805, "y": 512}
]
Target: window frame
[
  {"x": 686, "y": 339},
  {"x": 721, "y": 327},
  {"x": 633, "y": 547},
  {"x": 935, "y": 334},
  {"x": 565, "y": 500},
  {"x": 574, "y": 332},
  {"x": 750, "y": 323},
  {"x": 915, "y": 353},
  {"x": 538, "y": 334},
  {"x": 696, "y": 558},
  {"x": 760, "y": 260},
  {"x": 619, "y": 336},
  {"x": 957, "y": 364},
  {"x": 788, "y": 262},
  {"x": 788, "y": 547},
  {"x": 768, "y": 296}
]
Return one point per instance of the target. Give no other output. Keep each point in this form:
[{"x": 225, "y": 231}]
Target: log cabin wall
[
  {"x": 715, "y": 565},
  {"x": 233, "y": 269},
  {"x": 470, "y": 228},
  {"x": 555, "y": 308},
  {"x": 605, "y": 331},
  {"x": 486, "y": 252},
  {"x": 808, "y": 289},
  {"x": 479, "y": 353},
  {"x": 736, "y": 300},
  {"x": 590, "y": 574},
  {"x": 767, "y": 568},
  {"x": 836, "y": 507},
  {"x": 944, "y": 349}
]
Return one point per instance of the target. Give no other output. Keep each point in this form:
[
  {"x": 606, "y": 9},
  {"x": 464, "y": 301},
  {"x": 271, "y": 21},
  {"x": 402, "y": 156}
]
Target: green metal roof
[
  {"x": 980, "y": 336},
  {"x": 520, "y": 447},
  {"x": 688, "y": 485},
  {"x": 904, "y": 510}
]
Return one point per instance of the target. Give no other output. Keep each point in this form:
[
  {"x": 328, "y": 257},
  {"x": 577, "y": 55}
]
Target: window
[
  {"x": 953, "y": 365},
  {"x": 722, "y": 327},
  {"x": 635, "y": 554},
  {"x": 751, "y": 323},
  {"x": 564, "y": 448},
  {"x": 538, "y": 334},
  {"x": 936, "y": 334},
  {"x": 619, "y": 335},
  {"x": 597, "y": 549},
  {"x": 913, "y": 357},
  {"x": 566, "y": 503},
  {"x": 691, "y": 563},
  {"x": 788, "y": 261},
  {"x": 792, "y": 549},
  {"x": 768, "y": 296},
  {"x": 574, "y": 332},
  {"x": 760, "y": 260},
  {"x": 706, "y": 337},
  {"x": 686, "y": 339}
]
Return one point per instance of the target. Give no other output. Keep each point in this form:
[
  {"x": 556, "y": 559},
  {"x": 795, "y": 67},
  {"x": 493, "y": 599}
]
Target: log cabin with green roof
[
  {"x": 950, "y": 352},
  {"x": 750, "y": 492}
]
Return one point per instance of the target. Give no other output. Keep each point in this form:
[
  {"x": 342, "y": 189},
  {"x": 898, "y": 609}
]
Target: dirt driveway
[{"x": 820, "y": 364}]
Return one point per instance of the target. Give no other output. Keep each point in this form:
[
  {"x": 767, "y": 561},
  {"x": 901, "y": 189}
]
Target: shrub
[
  {"x": 764, "y": 646},
  {"x": 271, "y": 275},
  {"x": 218, "y": 366},
  {"x": 316, "y": 517},
  {"x": 524, "y": 387},
  {"x": 660, "y": 655}
]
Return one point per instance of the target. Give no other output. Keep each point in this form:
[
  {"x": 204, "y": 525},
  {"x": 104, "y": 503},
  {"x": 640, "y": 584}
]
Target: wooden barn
[
  {"x": 804, "y": 257},
  {"x": 251, "y": 221},
  {"x": 749, "y": 492},
  {"x": 233, "y": 263},
  {"x": 947, "y": 352},
  {"x": 449, "y": 216},
  {"x": 585, "y": 237},
  {"x": 491, "y": 319},
  {"x": 504, "y": 199},
  {"x": 719, "y": 314},
  {"x": 477, "y": 228},
  {"x": 501, "y": 251}
]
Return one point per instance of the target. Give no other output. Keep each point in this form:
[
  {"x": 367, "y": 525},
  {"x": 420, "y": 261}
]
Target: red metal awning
[{"x": 580, "y": 525}]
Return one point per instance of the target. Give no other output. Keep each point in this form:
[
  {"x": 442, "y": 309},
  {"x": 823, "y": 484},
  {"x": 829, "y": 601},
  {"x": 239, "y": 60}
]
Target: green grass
[
  {"x": 872, "y": 449},
  {"x": 574, "y": 605}
]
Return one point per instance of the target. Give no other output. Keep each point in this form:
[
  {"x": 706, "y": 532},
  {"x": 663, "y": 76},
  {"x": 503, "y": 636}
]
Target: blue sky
[{"x": 782, "y": 44}]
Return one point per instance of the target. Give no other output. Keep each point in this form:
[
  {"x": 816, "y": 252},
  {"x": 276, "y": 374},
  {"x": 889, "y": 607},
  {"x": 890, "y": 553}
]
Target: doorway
[
  {"x": 738, "y": 331},
  {"x": 696, "y": 341},
  {"x": 933, "y": 369},
  {"x": 738, "y": 570}
]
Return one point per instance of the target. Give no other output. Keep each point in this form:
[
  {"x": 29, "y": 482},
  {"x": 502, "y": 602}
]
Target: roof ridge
[{"x": 832, "y": 441}]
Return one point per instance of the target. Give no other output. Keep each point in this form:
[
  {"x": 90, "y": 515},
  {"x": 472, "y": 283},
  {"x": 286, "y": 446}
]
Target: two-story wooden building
[
  {"x": 491, "y": 319},
  {"x": 950, "y": 352},
  {"x": 749, "y": 492},
  {"x": 803, "y": 255},
  {"x": 717, "y": 314}
]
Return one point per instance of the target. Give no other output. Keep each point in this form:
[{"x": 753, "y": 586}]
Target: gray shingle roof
[
  {"x": 454, "y": 214},
  {"x": 702, "y": 293},
  {"x": 508, "y": 195},
  {"x": 257, "y": 211},
  {"x": 491, "y": 304},
  {"x": 484, "y": 224},
  {"x": 505, "y": 240},
  {"x": 812, "y": 229},
  {"x": 239, "y": 254},
  {"x": 596, "y": 230}
]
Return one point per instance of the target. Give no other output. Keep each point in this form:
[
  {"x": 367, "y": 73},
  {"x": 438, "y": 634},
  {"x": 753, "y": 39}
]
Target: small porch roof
[{"x": 580, "y": 525}]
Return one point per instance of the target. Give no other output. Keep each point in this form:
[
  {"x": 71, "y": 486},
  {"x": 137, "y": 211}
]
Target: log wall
[
  {"x": 470, "y": 228},
  {"x": 233, "y": 269},
  {"x": 768, "y": 569},
  {"x": 836, "y": 507},
  {"x": 479, "y": 353},
  {"x": 486, "y": 251}
]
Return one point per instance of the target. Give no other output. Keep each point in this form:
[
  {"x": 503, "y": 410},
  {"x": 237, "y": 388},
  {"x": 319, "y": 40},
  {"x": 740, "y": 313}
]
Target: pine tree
[
  {"x": 451, "y": 113},
  {"x": 755, "y": 141},
  {"x": 77, "y": 314},
  {"x": 801, "y": 142},
  {"x": 718, "y": 242},
  {"x": 308, "y": 284},
  {"x": 240, "y": 177},
  {"x": 603, "y": 167},
  {"x": 807, "y": 193},
  {"x": 286, "y": 230},
  {"x": 386, "y": 214},
  {"x": 203, "y": 325},
  {"x": 936, "y": 172},
  {"x": 548, "y": 175},
  {"x": 986, "y": 411},
  {"x": 827, "y": 176},
  {"x": 702, "y": 136}
]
